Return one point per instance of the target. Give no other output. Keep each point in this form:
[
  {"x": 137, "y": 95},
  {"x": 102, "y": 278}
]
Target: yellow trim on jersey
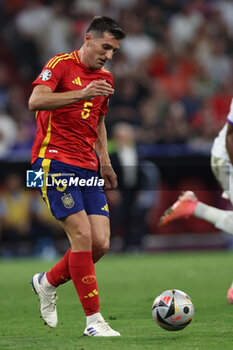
[
  {"x": 76, "y": 56},
  {"x": 61, "y": 59},
  {"x": 46, "y": 139},
  {"x": 36, "y": 114},
  {"x": 54, "y": 59},
  {"x": 45, "y": 166},
  {"x": 50, "y": 63},
  {"x": 51, "y": 59}
]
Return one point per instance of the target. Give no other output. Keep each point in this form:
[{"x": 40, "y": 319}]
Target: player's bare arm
[
  {"x": 106, "y": 170},
  {"x": 43, "y": 98},
  {"x": 229, "y": 141}
]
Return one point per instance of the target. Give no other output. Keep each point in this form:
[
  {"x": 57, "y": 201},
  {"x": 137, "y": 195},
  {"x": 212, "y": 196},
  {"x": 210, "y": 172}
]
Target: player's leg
[
  {"x": 82, "y": 271},
  {"x": 59, "y": 273},
  {"x": 224, "y": 174},
  {"x": 43, "y": 289},
  {"x": 45, "y": 284},
  {"x": 78, "y": 230},
  {"x": 189, "y": 205},
  {"x": 61, "y": 205},
  {"x": 100, "y": 229},
  {"x": 96, "y": 207},
  {"x": 79, "y": 258}
]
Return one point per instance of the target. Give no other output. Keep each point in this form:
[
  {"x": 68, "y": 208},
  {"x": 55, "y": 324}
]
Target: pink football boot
[{"x": 182, "y": 208}]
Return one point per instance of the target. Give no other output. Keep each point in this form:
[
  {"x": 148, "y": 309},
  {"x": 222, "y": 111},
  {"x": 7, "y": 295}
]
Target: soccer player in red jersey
[{"x": 70, "y": 98}]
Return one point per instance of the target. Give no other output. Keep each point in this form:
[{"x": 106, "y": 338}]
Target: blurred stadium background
[{"x": 173, "y": 87}]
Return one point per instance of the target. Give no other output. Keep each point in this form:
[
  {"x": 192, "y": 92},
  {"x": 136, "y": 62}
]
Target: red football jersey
[{"x": 68, "y": 133}]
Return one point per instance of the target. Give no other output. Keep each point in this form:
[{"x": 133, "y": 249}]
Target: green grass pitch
[{"x": 128, "y": 285}]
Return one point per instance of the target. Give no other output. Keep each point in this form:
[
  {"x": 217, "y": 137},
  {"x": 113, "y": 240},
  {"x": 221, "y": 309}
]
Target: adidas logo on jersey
[{"x": 77, "y": 81}]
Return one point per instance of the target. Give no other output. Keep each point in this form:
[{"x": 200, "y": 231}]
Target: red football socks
[
  {"x": 60, "y": 273},
  {"x": 82, "y": 272},
  {"x": 80, "y": 267}
]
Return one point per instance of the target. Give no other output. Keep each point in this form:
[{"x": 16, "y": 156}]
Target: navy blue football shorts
[{"x": 68, "y": 189}]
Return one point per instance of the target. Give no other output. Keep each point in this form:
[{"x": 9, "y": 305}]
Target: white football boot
[
  {"x": 48, "y": 308},
  {"x": 100, "y": 328}
]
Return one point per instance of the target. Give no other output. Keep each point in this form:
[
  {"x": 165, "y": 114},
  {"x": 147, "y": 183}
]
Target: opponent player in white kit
[{"x": 222, "y": 167}]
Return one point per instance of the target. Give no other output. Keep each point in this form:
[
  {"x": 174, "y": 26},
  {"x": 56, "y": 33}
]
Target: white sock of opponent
[{"x": 222, "y": 219}]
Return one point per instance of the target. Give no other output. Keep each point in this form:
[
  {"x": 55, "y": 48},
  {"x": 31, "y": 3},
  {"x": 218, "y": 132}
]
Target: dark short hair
[{"x": 101, "y": 24}]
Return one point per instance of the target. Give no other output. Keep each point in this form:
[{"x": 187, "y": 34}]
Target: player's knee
[
  {"x": 99, "y": 250},
  {"x": 86, "y": 235},
  {"x": 102, "y": 244},
  {"x": 83, "y": 235},
  {"x": 104, "y": 248},
  {"x": 106, "y": 245}
]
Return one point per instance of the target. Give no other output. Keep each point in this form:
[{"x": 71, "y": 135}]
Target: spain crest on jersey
[{"x": 68, "y": 201}]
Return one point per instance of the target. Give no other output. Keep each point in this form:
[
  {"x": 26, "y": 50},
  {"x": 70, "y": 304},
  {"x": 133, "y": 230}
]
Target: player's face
[{"x": 101, "y": 49}]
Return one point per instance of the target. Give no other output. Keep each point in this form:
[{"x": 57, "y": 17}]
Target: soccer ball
[{"x": 173, "y": 310}]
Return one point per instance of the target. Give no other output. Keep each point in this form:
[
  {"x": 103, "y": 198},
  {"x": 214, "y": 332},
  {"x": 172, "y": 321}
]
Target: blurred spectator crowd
[
  {"x": 26, "y": 225},
  {"x": 172, "y": 75}
]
